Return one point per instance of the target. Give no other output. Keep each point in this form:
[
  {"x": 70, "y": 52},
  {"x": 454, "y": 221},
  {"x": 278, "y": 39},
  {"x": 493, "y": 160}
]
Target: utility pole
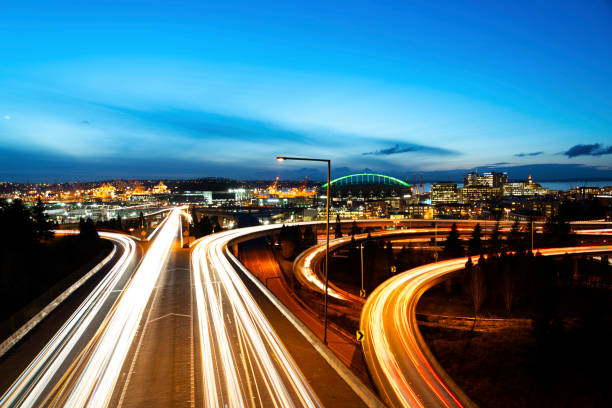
[
  {"x": 532, "y": 235},
  {"x": 283, "y": 158},
  {"x": 362, "y": 292},
  {"x": 435, "y": 242}
]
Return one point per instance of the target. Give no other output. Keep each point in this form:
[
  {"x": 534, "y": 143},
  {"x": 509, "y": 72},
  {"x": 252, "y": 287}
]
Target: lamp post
[{"x": 283, "y": 158}]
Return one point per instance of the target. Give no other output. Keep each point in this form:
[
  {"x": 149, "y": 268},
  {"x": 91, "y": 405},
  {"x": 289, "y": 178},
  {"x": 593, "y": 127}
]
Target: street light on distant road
[{"x": 283, "y": 158}]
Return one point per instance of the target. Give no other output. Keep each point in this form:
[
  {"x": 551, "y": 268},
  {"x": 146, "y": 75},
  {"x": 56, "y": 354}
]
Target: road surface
[
  {"x": 405, "y": 372},
  {"x": 79, "y": 365},
  {"x": 244, "y": 362}
]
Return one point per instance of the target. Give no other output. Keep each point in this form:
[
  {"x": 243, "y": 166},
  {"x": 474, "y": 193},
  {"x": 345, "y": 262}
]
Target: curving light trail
[
  {"x": 309, "y": 275},
  {"x": 400, "y": 363},
  {"x": 42, "y": 373},
  {"x": 70, "y": 373},
  {"x": 244, "y": 361}
]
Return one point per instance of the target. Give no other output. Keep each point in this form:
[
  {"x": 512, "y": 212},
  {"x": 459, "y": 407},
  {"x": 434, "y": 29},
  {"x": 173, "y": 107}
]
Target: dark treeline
[
  {"x": 23, "y": 226},
  {"x": 591, "y": 209},
  {"x": 113, "y": 224},
  {"x": 32, "y": 260},
  {"x": 503, "y": 282},
  {"x": 556, "y": 234},
  {"x": 121, "y": 224},
  {"x": 292, "y": 240},
  {"x": 202, "y": 226},
  {"x": 568, "y": 300},
  {"x": 378, "y": 260}
]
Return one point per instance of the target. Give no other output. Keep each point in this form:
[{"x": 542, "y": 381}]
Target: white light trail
[
  {"x": 40, "y": 374},
  {"x": 244, "y": 361},
  {"x": 99, "y": 374},
  {"x": 68, "y": 374}
]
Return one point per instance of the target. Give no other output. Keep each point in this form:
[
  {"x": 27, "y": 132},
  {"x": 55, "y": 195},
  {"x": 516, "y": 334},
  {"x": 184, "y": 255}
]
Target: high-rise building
[
  {"x": 444, "y": 193},
  {"x": 488, "y": 179},
  {"x": 478, "y": 193},
  {"x": 495, "y": 179}
]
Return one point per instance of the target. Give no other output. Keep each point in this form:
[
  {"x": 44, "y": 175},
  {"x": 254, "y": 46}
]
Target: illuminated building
[
  {"x": 444, "y": 193},
  {"x": 489, "y": 179},
  {"x": 274, "y": 192},
  {"x": 478, "y": 193},
  {"x": 524, "y": 188},
  {"x": 161, "y": 188},
  {"x": 105, "y": 192}
]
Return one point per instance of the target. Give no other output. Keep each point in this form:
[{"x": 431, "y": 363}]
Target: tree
[
  {"x": 338, "y": 227},
  {"x": 42, "y": 223},
  {"x": 452, "y": 245},
  {"x": 194, "y": 226},
  {"x": 514, "y": 237},
  {"x": 477, "y": 285},
  {"x": 557, "y": 232},
  {"x": 389, "y": 255},
  {"x": 475, "y": 243},
  {"x": 206, "y": 227},
  {"x": 87, "y": 230},
  {"x": 508, "y": 283},
  {"x": 309, "y": 237},
  {"x": 495, "y": 242},
  {"x": 18, "y": 228},
  {"x": 404, "y": 260}
]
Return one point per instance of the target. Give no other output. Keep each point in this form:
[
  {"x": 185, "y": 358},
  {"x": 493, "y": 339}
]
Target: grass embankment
[
  {"x": 27, "y": 274},
  {"x": 562, "y": 360}
]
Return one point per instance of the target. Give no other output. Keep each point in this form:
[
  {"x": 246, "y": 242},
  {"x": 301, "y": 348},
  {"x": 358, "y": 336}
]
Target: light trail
[
  {"x": 70, "y": 373},
  {"x": 306, "y": 266},
  {"x": 92, "y": 379},
  {"x": 40, "y": 374},
  {"x": 244, "y": 361},
  {"x": 401, "y": 365},
  {"x": 603, "y": 231}
]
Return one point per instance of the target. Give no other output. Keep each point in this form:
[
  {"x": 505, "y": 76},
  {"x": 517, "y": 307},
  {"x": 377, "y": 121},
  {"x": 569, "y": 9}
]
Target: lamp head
[{"x": 280, "y": 158}]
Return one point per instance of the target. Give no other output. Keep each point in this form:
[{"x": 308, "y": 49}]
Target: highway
[
  {"x": 308, "y": 272},
  {"x": 160, "y": 367},
  {"x": 47, "y": 368},
  {"x": 401, "y": 365},
  {"x": 132, "y": 340},
  {"x": 244, "y": 361},
  {"x": 80, "y": 364}
]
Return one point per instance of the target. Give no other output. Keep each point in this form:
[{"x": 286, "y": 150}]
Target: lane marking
[{"x": 167, "y": 315}]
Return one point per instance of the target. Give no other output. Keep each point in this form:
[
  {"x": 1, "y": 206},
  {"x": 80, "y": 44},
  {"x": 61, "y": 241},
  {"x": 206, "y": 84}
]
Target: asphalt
[
  {"x": 161, "y": 367},
  {"x": 18, "y": 358},
  {"x": 329, "y": 386}
]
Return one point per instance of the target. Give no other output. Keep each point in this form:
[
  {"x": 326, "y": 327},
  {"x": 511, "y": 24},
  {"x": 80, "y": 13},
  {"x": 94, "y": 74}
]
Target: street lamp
[{"x": 283, "y": 158}]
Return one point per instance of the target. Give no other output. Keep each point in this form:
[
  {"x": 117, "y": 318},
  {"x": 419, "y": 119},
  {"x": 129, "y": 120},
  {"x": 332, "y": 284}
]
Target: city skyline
[{"x": 119, "y": 90}]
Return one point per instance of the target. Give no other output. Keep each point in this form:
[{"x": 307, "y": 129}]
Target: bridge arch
[{"x": 367, "y": 178}]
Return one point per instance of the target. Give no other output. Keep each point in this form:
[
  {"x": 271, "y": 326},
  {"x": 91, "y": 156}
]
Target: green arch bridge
[{"x": 367, "y": 178}]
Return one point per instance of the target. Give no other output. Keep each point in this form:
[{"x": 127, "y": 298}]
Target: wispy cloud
[
  {"x": 407, "y": 148},
  {"x": 7, "y": 117},
  {"x": 528, "y": 154},
  {"x": 595, "y": 149}
]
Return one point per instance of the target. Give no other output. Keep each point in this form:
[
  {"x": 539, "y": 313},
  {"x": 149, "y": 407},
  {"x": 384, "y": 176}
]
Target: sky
[{"x": 104, "y": 89}]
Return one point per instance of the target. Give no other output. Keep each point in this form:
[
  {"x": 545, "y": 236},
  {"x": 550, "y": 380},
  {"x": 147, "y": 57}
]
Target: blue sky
[{"x": 134, "y": 88}]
